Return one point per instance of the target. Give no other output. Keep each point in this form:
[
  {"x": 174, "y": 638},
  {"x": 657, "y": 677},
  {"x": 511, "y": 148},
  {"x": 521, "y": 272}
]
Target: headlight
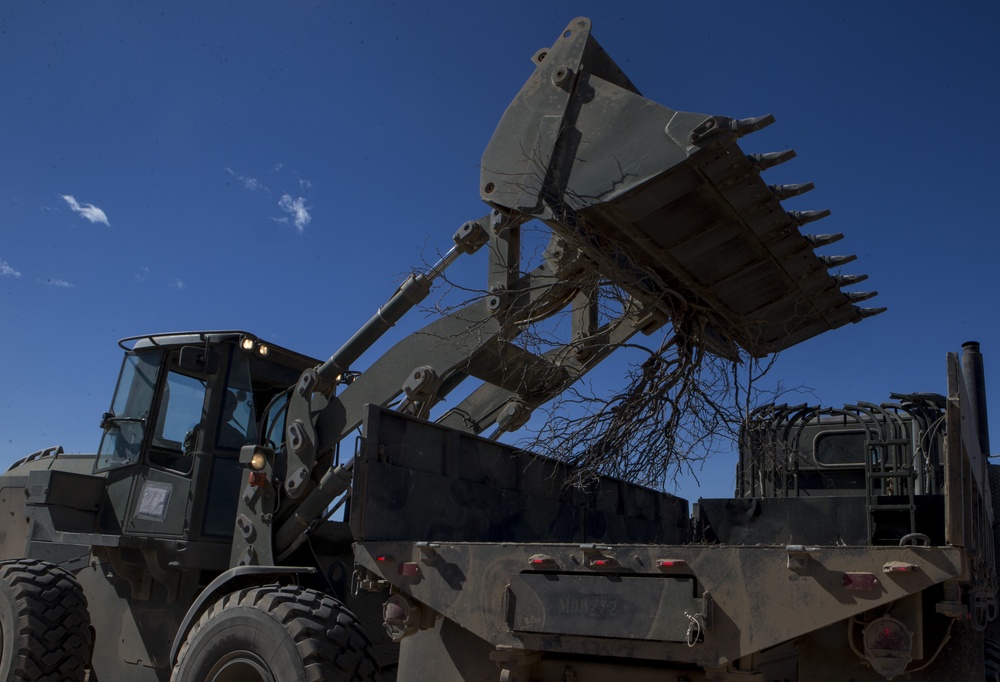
[{"x": 258, "y": 461}]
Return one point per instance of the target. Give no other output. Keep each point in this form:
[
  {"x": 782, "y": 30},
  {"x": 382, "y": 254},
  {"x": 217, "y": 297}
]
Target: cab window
[
  {"x": 178, "y": 426},
  {"x": 237, "y": 425},
  {"x": 125, "y": 424}
]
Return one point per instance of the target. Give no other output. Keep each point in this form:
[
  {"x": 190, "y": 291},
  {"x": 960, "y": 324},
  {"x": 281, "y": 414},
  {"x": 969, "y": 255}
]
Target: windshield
[{"x": 125, "y": 425}]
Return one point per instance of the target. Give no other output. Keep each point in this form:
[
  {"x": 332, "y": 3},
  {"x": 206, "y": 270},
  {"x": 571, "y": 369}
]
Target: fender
[{"x": 241, "y": 576}]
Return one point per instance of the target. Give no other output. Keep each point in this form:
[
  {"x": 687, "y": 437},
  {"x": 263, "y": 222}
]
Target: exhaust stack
[{"x": 975, "y": 382}]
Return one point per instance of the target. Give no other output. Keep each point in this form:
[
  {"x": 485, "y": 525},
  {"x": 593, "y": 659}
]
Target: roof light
[
  {"x": 262, "y": 350},
  {"x": 247, "y": 343}
]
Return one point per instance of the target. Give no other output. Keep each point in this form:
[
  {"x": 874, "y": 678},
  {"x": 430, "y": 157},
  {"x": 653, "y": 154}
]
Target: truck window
[
  {"x": 178, "y": 424},
  {"x": 122, "y": 440},
  {"x": 840, "y": 447},
  {"x": 237, "y": 425},
  {"x": 274, "y": 420}
]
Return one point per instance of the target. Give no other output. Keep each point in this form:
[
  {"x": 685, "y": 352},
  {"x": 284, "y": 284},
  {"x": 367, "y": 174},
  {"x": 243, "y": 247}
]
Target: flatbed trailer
[{"x": 498, "y": 568}]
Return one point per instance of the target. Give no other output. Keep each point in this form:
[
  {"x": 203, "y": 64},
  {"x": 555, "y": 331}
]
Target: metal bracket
[{"x": 798, "y": 557}]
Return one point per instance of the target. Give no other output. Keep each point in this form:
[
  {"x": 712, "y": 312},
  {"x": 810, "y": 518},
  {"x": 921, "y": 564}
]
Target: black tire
[
  {"x": 44, "y": 624},
  {"x": 309, "y": 637}
]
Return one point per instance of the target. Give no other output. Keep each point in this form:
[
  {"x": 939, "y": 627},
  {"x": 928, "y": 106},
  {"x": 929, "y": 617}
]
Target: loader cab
[{"x": 184, "y": 406}]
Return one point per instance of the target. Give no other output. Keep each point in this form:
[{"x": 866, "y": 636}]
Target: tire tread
[
  {"x": 328, "y": 637},
  {"x": 53, "y": 639}
]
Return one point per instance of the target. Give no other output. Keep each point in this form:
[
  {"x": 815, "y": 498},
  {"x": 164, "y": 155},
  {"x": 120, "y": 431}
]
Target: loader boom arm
[{"x": 659, "y": 203}]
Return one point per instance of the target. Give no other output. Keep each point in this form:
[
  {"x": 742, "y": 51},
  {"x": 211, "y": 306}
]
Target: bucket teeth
[
  {"x": 818, "y": 240},
  {"x": 803, "y": 217},
  {"x": 693, "y": 225},
  {"x": 834, "y": 261},
  {"x": 848, "y": 280},
  {"x": 745, "y": 126},
  {"x": 789, "y": 191},
  {"x": 770, "y": 159},
  {"x": 869, "y": 312},
  {"x": 859, "y": 296}
]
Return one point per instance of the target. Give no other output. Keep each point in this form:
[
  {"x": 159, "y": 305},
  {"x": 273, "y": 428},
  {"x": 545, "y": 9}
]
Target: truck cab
[
  {"x": 149, "y": 519},
  {"x": 184, "y": 406}
]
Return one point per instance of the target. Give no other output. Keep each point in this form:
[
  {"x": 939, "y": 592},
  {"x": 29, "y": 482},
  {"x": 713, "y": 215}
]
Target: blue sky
[{"x": 279, "y": 167}]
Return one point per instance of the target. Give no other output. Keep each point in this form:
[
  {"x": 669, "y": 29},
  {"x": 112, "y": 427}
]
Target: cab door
[{"x": 159, "y": 501}]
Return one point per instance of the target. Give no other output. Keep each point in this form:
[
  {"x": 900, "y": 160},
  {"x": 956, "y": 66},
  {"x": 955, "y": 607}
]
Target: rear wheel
[
  {"x": 45, "y": 633},
  {"x": 276, "y": 634}
]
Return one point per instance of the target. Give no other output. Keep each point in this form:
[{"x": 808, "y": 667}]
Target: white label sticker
[{"x": 153, "y": 501}]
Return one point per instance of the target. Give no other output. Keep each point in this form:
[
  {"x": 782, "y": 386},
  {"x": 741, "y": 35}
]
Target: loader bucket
[{"x": 664, "y": 203}]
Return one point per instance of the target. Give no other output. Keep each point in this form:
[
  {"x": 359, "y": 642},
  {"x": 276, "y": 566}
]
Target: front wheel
[
  {"x": 276, "y": 634},
  {"x": 45, "y": 633}
]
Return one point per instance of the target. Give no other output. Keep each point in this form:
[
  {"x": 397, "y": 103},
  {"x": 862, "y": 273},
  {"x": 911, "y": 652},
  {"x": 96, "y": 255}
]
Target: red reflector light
[
  {"x": 257, "y": 479},
  {"x": 886, "y": 634},
  {"x": 384, "y": 557},
  {"x": 409, "y": 568},
  {"x": 859, "y": 581},
  {"x": 606, "y": 562},
  {"x": 899, "y": 567},
  {"x": 671, "y": 563}
]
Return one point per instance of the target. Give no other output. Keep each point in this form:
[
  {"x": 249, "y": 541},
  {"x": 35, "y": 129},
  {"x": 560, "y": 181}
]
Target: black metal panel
[
  {"x": 835, "y": 520},
  {"x": 423, "y": 481}
]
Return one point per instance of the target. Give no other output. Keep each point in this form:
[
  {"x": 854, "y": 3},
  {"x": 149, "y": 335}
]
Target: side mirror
[{"x": 199, "y": 359}]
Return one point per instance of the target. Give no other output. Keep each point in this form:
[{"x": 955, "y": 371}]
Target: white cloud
[
  {"x": 296, "y": 208},
  {"x": 252, "y": 184},
  {"x": 305, "y": 184},
  {"x": 88, "y": 211},
  {"x": 8, "y": 271},
  {"x": 178, "y": 284},
  {"x": 58, "y": 283},
  {"x": 142, "y": 275}
]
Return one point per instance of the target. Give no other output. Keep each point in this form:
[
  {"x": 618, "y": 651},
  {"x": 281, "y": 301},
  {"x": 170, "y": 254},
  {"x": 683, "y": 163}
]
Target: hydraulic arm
[{"x": 660, "y": 204}]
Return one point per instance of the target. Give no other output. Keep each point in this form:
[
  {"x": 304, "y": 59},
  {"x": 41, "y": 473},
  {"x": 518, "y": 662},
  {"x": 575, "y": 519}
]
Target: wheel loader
[{"x": 233, "y": 526}]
